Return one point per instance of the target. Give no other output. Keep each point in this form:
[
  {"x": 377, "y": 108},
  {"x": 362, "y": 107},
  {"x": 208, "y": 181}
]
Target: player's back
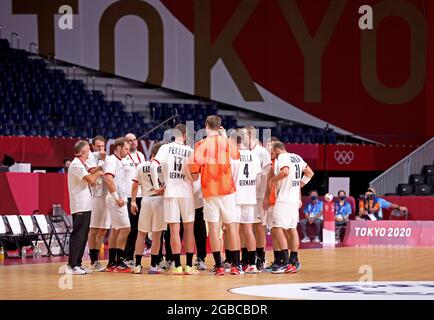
[
  {"x": 245, "y": 172},
  {"x": 212, "y": 158},
  {"x": 144, "y": 178},
  {"x": 288, "y": 189},
  {"x": 113, "y": 166},
  {"x": 173, "y": 158}
]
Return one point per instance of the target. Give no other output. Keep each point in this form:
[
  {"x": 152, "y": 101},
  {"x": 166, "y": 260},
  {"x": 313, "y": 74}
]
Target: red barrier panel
[
  {"x": 403, "y": 233},
  {"x": 50, "y": 152}
]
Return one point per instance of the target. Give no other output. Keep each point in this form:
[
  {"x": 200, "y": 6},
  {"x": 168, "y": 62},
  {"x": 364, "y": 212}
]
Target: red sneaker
[
  {"x": 122, "y": 268},
  {"x": 218, "y": 271},
  {"x": 235, "y": 271},
  {"x": 110, "y": 268},
  {"x": 291, "y": 269}
]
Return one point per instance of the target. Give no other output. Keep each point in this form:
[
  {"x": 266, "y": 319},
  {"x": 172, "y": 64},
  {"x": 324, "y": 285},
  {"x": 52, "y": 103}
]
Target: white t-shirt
[
  {"x": 143, "y": 177},
  {"x": 173, "y": 158},
  {"x": 244, "y": 173},
  {"x": 100, "y": 189},
  {"x": 265, "y": 159},
  {"x": 113, "y": 166},
  {"x": 80, "y": 194},
  {"x": 288, "y": 189},
  {"x": 130, "y": 163}
]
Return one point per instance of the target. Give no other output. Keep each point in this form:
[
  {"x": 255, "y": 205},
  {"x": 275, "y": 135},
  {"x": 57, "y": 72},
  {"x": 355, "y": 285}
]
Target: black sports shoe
[
  {"x": 280, "y": 268},
  {"x": 259, "y": 264},
  {"x": 271, "y": 267}
]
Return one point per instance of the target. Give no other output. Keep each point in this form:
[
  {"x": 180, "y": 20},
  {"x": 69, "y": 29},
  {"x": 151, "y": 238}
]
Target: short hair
[
  {"x": 312, "y": 191},
  {"x": 120, "y": 142},
  {"x": 79, "y": 146},
  {"x": 371, "y": 190},
  {"x": 181, "y": 128},
  {"x": 278, "y": 145},
  {"x": 342, "y": 191},
  {"x": 274, "y": 139},
  {"x": 214, "y": 122},
  {"x": 155, "y": 148},
  {"x": 98, "y": 138},
  {"x": 65, "y": 160}
]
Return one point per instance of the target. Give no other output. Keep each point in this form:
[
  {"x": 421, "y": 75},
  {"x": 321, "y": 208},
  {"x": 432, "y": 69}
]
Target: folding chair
[
  {"x": 16, "y": 234},
  {"x": 61, "y": 230},
  {"x": 30, "y": 230},
  {"x": 3, "y": 235},
  {"x": 44, "y": 232}
]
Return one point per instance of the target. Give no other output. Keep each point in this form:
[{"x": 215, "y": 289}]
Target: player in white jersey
[
  {"x": 178, "y": 197},
  {"x": 151, "y": 218},
  {"x": 116, "y": 204},
  {"x": 287, "y": 180},
  {"x": 100, "y": 218},
  {"x": 260, "y": 223},
  {"x": 133, "y": 159},
  {"x": 245, "y": 174}
]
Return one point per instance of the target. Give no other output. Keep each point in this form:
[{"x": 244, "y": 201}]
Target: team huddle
[{"x": 242, "y": 187}]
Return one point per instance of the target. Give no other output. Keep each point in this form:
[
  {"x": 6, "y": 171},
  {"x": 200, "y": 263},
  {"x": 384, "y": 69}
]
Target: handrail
[
  {"x": 132, "y": 101},
  {"x": 17, "y": 36},
  {"x": 34, "y": 44},
  {"x": 400, "y": 171},
  {"x": 113, "y": 91}
]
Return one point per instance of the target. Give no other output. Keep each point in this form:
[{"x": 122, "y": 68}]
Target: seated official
[
  {"x": 384, "y": 204},
  {"x": 342, "y": 213},
  {"x": 313, "y": 213},
  {"x": 369, "y": 207}
]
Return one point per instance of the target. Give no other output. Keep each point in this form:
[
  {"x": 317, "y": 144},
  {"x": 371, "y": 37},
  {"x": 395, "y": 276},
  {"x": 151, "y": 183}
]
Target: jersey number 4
[{"x": 246, "y": 171}]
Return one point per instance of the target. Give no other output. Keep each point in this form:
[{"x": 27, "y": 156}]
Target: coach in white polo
[{"x": 80, "y": 203}]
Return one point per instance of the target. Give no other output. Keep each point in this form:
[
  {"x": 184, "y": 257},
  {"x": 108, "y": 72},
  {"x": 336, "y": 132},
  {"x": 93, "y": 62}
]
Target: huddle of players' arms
[{"x": 243, "y": 188}]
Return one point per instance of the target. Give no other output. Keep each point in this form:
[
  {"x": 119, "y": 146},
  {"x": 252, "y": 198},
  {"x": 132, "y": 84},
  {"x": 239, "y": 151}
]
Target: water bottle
[
  {"x": 2, "y": 255},
  {"x": 23, "y": 254}
]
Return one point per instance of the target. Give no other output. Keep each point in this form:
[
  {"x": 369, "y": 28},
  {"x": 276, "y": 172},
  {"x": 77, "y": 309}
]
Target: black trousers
[
  {"x": 200, "y": 234},
  {"x": 130, "y": 246},
  {"x": 78, "y": 237}
]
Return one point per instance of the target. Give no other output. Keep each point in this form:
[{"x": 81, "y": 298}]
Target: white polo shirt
[
  {"x": 80, "y": 195},
  {"x": 130, "y": 164}
]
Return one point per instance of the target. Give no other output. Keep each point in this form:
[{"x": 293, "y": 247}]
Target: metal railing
[{"x": 400, "y": 172}]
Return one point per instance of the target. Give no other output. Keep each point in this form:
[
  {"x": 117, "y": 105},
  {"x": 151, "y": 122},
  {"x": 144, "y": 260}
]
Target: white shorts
[
  {"x": 119, "y": 215},
  {"x": 218, "y": 207},
  {"x": 175, "y": 208},
  {"x": 151, "y": 217},
  {"x": 260, "y": 214},
  {"x": 245, "y": 213},
  {"x": 285, "y": 215},
  {"x": 100, "y": 217}
]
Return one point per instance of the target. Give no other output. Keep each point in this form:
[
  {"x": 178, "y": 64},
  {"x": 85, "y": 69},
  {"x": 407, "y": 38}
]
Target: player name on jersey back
[{"x": 245, "y": 173}]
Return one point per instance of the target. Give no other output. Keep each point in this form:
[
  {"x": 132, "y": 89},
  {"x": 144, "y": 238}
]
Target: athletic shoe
[
  {"x": 166, "y": 265},
  {"x": 259, "y": 264},
  {"x": 305, "y": 240},
  {"x": 191, "y": 270},
  {"x": 130, "y": 263},
  {"x": 237, "y": 270},
  {"x": 200, "y": 264},
  {"x": 74, "y": 271},
  {"x": 218, "y": 271},
  {"x": 251, "y": 270},
  {"x": 297, "y": 267},
  {"x": 316, "y": 240},
  {"x": 227, "y": 265},
  {"x": 244, "y": 267},
  {"x": 291, "y": 269},
  {"x": 155, "y": 270},
  {"x": 280, "y": 269},
  {"x": 86, "y": 269},
  {"x": 137, "y": 270},
  {"x": 122, "y": 268},
  {"x": 176, "y": 271},
  {"x": 271, "y": 267},
  {"x": 110, "y": 267},
  {"x": 97, "y": 267}
]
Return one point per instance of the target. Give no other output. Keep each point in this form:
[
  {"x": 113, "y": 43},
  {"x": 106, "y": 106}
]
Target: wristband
[
  {"x": 305, "y": 179},
  {"x": 115, "y": 195}
]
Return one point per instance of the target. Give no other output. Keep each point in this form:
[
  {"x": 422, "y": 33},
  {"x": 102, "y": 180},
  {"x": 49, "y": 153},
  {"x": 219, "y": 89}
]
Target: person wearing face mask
[
  {"x": 369, "y": 207},
  {"x": 313, "y": 213},
  {"x": 342, "y": 212}
]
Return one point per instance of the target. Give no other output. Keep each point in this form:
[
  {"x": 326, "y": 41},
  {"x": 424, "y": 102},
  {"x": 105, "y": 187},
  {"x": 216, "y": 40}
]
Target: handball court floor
[{"x": 41, "y": 281}]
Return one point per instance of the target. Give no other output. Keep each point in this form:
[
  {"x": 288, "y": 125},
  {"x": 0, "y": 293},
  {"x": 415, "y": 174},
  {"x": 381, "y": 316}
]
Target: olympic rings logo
[{"x": 344, "y": 157}]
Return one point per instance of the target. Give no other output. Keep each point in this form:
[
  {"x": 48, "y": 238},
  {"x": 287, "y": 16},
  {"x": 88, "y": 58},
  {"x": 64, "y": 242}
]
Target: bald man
[{"x": 130, "y": 164}]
